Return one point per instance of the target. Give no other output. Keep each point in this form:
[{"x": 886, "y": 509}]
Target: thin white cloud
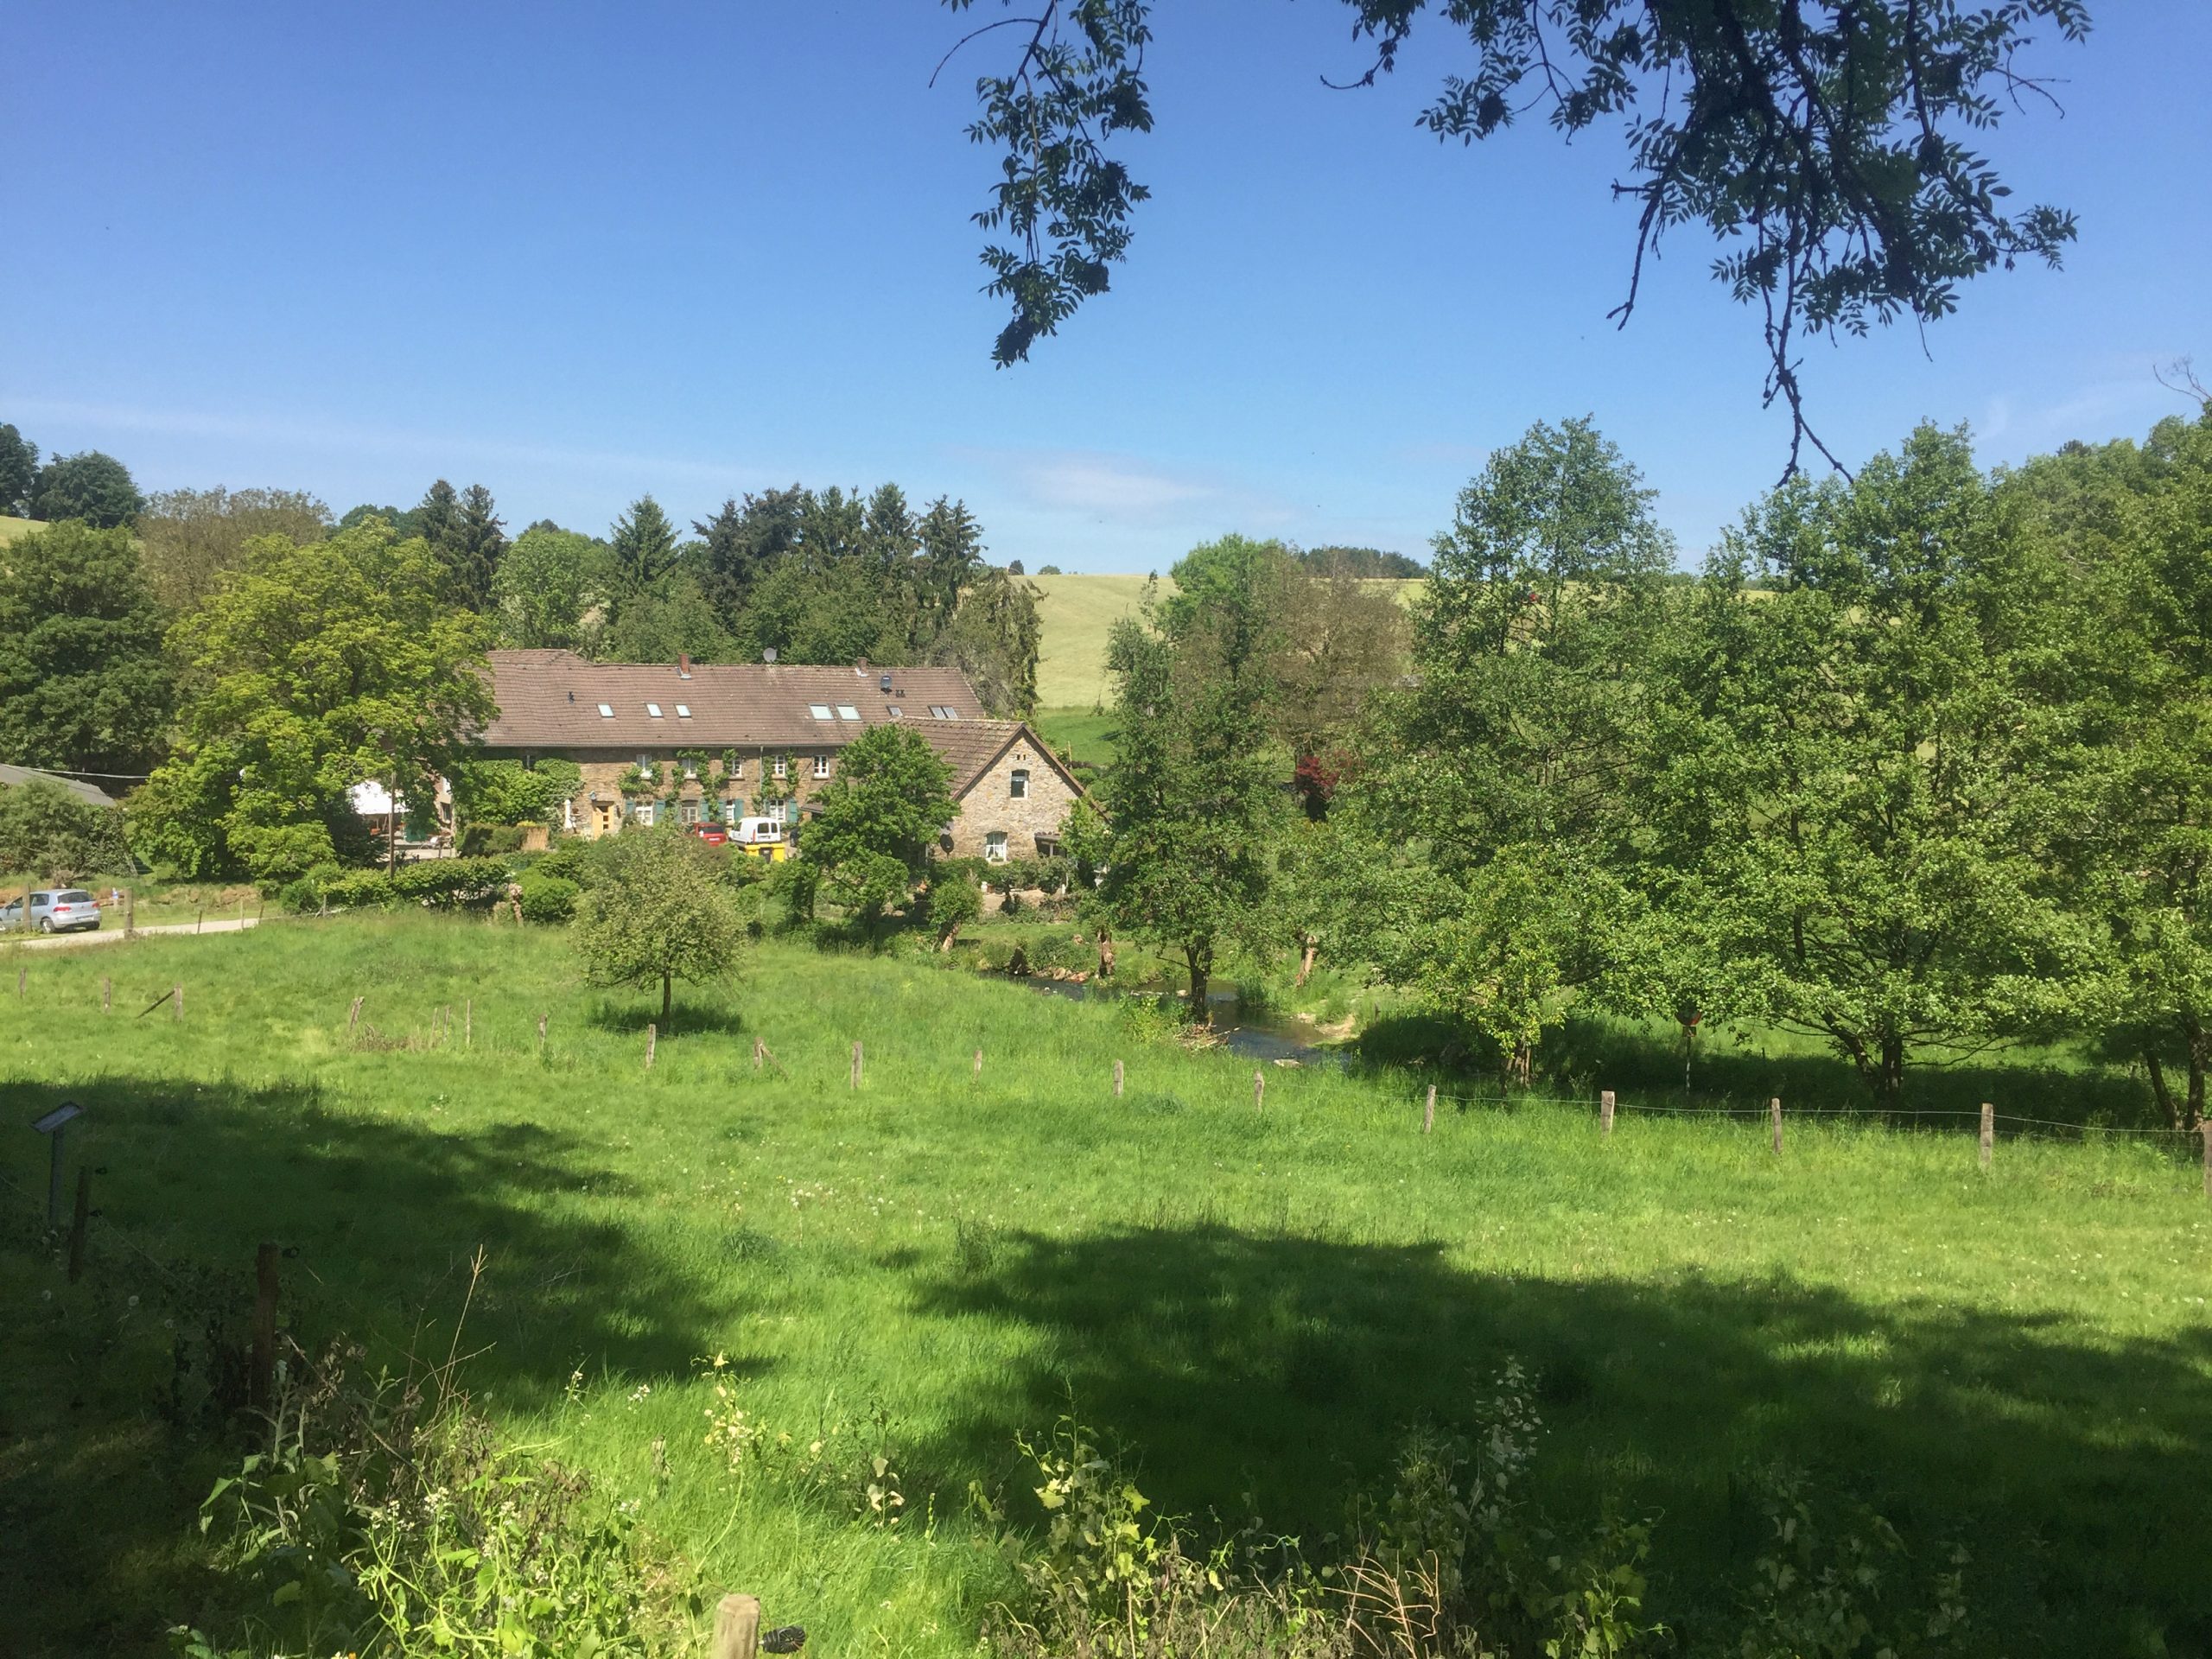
[
  {"x": 353, "y": 439},
  {"x": 1123, "y": 490}
]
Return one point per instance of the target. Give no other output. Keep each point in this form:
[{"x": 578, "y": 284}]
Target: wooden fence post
[
  {"x": 652, "y": 1037},
  {"x": 541, "y": 1034},
  {"x": 1117, "y": 1079},
  {"x": 758, "y": 1048},
  {"x": 107, "y": 992},
  {"x": 130, "y": 914},
  {"x": 23, "y": 977},
  {"x": 1988, "y": 1131},
  {"x": 1259, "y": 1090},
  {"x": 737, "y": 1628},
  {"x": 2205, "y": 1129},
  {"x": 979, "y": 1062},
  {"x": 78, "y": 1222},
  {"x": 201, "y": 920},
  {"x": 179, "y": 1004},
  {"x": 353, "y": 1017},
  {"x": 1774, "y": 1110},
  {"x": 1428, "y": 1112},
  {"x": 856, "y": 1063},
  {"x": 261, "y": 1380},
  {"x": 1606, "y": 1113},
  {"x": 469, "y": 1022}
]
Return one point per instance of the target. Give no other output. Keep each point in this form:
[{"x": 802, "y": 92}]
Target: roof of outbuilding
[
  {"x": 550, "y": 700},
  {"x": 90, "y": 794}
]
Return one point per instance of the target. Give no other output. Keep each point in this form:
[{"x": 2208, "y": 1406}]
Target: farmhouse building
[{"x": 703, "y": 741}]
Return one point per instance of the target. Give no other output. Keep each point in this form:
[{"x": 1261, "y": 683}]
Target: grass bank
[{"x": 1256, "y": 1303}]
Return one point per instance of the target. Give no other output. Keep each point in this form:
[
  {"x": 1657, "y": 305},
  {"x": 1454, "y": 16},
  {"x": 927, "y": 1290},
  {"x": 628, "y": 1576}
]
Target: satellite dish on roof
[{"x": 769, "y": 655}]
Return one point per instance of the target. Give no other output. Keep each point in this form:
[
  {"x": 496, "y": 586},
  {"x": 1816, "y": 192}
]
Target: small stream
[{"x": 1252, "y": 1033}]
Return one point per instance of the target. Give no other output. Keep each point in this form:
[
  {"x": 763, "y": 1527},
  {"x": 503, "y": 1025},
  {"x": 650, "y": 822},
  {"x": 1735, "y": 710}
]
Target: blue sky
[{"x": 580, "y": 252}]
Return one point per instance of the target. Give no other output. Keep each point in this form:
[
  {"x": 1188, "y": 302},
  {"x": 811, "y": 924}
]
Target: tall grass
[{"x": 1256, "y": 1304}]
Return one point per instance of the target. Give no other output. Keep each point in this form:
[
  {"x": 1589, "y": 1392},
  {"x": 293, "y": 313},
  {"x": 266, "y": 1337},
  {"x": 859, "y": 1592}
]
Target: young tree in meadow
[
  {"x": 891, "y": 799},
  {"x": 1194, "y": 795},
  {"x": 84, "y": 682},
  {"x": 1859, "y": 796},
  {"x": 660, "y": 913},
  {"x": 550, "y": 590},
  {"x": 1504, "y": 798},
  {"x": 318, "y": 667},
  {"x": 95, "y": 487},
  {"x": 191, "y": 539}
]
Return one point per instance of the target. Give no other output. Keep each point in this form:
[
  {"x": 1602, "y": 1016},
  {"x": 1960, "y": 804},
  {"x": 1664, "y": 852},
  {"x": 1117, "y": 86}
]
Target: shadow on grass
[
  {"x": 1279, "y": 1373},
  {"x": 1745, "y": 1069},
  {"x": 380, "y": 1220},
  {"x": 688, "y": 1019}
]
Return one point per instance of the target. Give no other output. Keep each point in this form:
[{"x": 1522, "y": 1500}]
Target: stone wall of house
[{"x": 991, "y": 806}]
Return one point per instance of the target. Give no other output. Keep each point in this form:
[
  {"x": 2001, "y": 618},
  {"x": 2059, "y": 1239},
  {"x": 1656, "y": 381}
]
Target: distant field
[
  {"x": 1076, "y": 614},
  {"x": 11, "y": 528}
]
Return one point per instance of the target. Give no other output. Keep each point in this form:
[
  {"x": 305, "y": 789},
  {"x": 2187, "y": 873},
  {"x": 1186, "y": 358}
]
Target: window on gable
[
  {"x": 1017, "y": 783},
  {"x": 821, "y": 766},
  {"x": 995, "y": 847},
  {"x": 606, "y": 712},
  {"x": 819, "y": 710},
  {"x": 653, "y": 709},
  {"x": 846, "y": 711}
]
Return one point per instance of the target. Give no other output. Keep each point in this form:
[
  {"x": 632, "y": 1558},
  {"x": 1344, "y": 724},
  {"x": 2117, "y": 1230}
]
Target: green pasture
[
  {"x": 1256, "y": 1304},
  {"x": 1075, "y": 614},
  {"x": 11, "y": 528}
]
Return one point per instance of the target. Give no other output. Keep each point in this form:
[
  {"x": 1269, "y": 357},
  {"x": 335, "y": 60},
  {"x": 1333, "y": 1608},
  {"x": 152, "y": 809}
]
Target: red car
[{"x": 714, "y": 835}]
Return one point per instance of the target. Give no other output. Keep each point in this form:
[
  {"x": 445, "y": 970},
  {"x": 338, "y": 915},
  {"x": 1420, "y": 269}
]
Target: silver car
[{"x": 65, "y": 910}]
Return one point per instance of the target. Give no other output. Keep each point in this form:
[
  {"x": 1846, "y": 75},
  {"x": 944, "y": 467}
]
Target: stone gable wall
[{"x": 991, "y": 804}]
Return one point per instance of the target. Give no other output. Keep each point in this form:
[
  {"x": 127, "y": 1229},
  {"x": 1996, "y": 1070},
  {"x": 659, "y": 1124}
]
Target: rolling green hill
[{"x": 11, "y": 528}]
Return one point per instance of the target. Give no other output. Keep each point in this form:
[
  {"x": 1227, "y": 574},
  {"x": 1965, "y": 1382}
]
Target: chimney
[{"x": 683, "y": 664}]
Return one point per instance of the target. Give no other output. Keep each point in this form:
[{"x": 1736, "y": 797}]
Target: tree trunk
[
  {"x": 1309, "y": 946},
  {"x": 950, "y": 938},
  {"x": 1892, "y": 1082},
  {"x": 2200, "y": 1061},
  {"x": 1105, "y": 955},
  {"x": 667, "y": 992},
  {"x": 1200, "y": 963},
  {"x": 2160, "y": 1090}
]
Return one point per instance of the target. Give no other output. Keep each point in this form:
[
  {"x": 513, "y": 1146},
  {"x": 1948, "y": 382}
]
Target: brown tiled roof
[
  {"x": 970, "y": 748},
  {"x": 550, "y": 700}
]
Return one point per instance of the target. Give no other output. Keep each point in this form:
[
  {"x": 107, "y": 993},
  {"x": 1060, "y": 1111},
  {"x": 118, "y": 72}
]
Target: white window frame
[
  {"x": 846, "y": 711},
  {"x": 683, "y": 711},
  {"x": 653, "y": 709},
  {"x": 645, "y": 766},
  {"x": 606, "y": 711},
  {"x": 782, "y": 769},
  {"x": 643, "y": 811},
  {"x": 689, "y": 811},
  {"x": 995, "y": 847},
  {"x": 819, "y": 710},
  {"x": 736, "y": 768},
  {"x": 1017, "y": 784},
  {"x": 821, "y": 765}
]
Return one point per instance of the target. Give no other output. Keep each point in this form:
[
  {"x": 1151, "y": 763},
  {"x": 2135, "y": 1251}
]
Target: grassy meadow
[
  {"x": 11, "y": 528},
  {"x": 1256, "y": 1304}
]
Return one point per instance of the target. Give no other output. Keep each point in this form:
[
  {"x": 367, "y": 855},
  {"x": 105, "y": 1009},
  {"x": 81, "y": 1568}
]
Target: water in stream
[{"x": 1250, "y": 1031}]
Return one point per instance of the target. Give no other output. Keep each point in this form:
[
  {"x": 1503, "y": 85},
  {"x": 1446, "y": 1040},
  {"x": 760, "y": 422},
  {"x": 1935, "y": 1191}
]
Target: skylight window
[
  {"x": 653, "y": 709},
  {"x": 819, "y": 710},
  {"x": 846, "y": 711},
  {"x": 941, "y": 711},
  {"x": 683, "y": 711},
  {"x": 896, "y": 712},
  {"x": 606, "y": 712}
]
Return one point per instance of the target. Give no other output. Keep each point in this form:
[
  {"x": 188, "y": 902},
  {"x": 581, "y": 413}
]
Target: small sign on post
[
  {"x": 1606, "y": 1113},
  {"x": 1988, "y": 1131},
  {"x": 55, "y": 1126},
  {"x": 1774, "y": 1110}
]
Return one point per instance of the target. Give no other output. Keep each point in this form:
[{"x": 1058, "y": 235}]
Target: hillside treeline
[{"x": 1920, "y": 763}]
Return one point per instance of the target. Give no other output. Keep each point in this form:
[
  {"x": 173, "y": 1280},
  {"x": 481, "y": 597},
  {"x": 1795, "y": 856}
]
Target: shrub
[
  {"x": 359, "y": 890},
  {"x": 548, "y": 900},
  {"x": 451, "y": 881},
  {"x": 46, "y": 831},
  {"x": 954, "y": 903}
]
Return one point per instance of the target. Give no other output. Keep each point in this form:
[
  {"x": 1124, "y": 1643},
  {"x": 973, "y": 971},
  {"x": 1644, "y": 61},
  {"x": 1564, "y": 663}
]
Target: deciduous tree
[
  {"x": 880, "y": 814},
  {"x": 192, "y": 538},
  {"x": 95, "y": 487},
  {"x": 658, "y": 913},
  {"x": 319, "y": 666},
  {"x": 551, "y": 590},
  {"x": 84, "y": 685},
  {"x": 18, "y": 470}
]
